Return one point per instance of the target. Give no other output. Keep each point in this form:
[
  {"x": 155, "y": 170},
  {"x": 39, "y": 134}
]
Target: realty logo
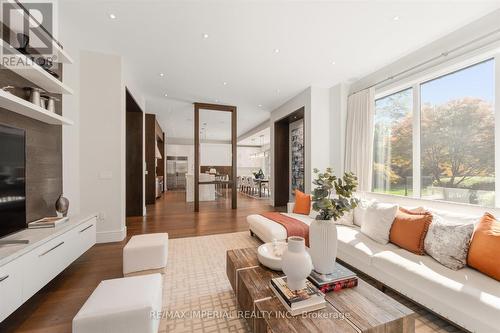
[{"x": 27, "y": 28}]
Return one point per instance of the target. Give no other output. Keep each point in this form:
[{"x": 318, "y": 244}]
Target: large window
[
  {"x": 392, "y": 154},
  {"x": 455, "y": 144}
]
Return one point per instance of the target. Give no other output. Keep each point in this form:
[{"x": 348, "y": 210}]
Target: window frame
[
  {"x": 413, "y": 133},
  {"x": 414, "y": 83}
]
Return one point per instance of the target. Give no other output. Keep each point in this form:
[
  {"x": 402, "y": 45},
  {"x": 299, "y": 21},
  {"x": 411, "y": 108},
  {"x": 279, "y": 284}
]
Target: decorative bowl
[{"x": 266, "y": 256}]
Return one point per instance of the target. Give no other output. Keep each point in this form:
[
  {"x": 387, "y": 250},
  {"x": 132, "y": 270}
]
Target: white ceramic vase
[
  {"x": 296, "y": 263},
  {"x": 323, "y": 245}
]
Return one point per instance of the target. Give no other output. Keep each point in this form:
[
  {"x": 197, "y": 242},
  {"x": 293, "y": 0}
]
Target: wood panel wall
[
  {"x": 150, "y": 138},
  {"x": 153, "y": 134},
  {"x": 134, "y": 156},
  {"x": 160, "y": 166},
  {"x": 43, "y": 163},
  {"x": 281, "y": 163}
]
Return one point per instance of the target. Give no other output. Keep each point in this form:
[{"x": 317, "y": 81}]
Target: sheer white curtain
[{"x": 359, "y": 137}]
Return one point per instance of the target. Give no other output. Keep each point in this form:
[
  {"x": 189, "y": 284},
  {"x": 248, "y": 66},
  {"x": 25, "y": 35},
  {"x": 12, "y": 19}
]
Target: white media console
[{"x": 26, "y": 268}]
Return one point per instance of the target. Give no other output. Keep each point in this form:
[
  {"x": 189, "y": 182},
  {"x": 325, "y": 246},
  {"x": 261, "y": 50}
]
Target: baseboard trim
[{"x": 111, "y": 236}]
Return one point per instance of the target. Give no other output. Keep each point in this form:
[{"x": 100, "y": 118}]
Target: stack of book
[
  {"x": 341, "y": 278},
  {"x": 298, "y": 301},
  {"x": 47, "y": 222}
]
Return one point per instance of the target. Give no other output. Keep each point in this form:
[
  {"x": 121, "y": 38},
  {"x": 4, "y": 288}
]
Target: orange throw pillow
[
  {"x": 302, "y": 203},
  {"x": 485, "y": 247},
  {"x": 409, "y": 229}
]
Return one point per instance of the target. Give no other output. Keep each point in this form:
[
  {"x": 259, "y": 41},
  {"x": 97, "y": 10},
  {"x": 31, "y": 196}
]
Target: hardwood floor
[{"x": 52, "y": 309}]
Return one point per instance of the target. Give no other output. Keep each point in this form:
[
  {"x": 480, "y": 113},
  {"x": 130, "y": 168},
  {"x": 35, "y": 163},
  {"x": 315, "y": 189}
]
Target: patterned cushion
[{"x": 448, "y": 243}]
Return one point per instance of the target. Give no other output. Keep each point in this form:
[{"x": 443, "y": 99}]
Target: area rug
[{"x": 198, "y": 297}]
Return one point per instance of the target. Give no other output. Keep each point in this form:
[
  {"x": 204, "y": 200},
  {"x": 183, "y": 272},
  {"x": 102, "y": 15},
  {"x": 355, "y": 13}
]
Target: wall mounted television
[{"x": 12, "y": 180}]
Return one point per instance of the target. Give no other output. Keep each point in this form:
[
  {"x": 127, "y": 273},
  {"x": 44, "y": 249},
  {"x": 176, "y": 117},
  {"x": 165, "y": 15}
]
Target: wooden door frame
[
  {"x": 134, "y": 184},
  {"x": 281, "y": 181},
  {"x": 234, "y": 152}
]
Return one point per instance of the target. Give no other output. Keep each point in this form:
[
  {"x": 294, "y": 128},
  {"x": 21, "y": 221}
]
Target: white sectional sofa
[{"x": 465, "y": 297}]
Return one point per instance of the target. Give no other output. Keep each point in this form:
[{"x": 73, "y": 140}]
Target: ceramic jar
[
  {"x": 296, "y": 263},
  {"x": 323, "y": 245}
]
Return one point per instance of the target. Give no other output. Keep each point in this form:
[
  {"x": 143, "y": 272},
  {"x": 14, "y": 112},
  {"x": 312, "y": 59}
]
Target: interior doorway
[
  {"x": 289, "y": 157},
  {"x": 134, "y": 187},
  {"x": 215, "y": 178}
]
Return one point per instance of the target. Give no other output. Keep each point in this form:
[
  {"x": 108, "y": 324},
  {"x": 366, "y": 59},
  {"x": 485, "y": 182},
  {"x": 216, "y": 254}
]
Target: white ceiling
[{"x": 168, "y": 37}]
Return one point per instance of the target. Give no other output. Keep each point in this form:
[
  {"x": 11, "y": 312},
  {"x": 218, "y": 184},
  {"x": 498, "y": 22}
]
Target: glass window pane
[
  {"x": 458, "y": 136},
  {"x": 392, "y": 149}
]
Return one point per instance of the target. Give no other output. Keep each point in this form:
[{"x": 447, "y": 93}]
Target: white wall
[
  {"x": 338, "y": 123},
  {"x": 71, "y": 110},
  {"x": 92, "y": 111},
  {"x": 319, "y": 132},
  {"x": 102, "y": 142}
]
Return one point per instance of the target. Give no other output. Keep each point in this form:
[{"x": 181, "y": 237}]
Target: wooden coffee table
[{"x": 360, "y": 309}]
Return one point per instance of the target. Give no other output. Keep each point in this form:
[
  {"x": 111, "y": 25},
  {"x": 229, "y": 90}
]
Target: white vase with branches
[{"x": 332, "y": 198}]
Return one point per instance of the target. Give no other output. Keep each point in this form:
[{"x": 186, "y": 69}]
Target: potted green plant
[
  {"x": 259, "y": 174},
  {"x": 332, "y": 197}
]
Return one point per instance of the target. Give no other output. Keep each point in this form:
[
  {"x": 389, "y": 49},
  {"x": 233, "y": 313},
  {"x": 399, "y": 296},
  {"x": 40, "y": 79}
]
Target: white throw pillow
[
  {"x": 346, "y": 219},
  {"x": 378, "y": 221},
  {"x": 360, "y": 210},
  {"x": 312, "y": 212}
]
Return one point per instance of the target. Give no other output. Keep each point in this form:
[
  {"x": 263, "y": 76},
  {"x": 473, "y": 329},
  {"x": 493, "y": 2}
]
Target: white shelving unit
[
  {"x": 18, "y": 105},
  {"x": 34, "y": 73}
]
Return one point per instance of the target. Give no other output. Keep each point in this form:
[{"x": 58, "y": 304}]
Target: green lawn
[{"x": 395, "y": 191}]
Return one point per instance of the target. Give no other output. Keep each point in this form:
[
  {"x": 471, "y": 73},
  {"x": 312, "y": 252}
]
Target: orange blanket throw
[{"x": 293, "y": 226}]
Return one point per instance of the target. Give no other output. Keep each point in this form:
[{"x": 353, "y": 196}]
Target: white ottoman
[
  {"x": 145, "y": 254},
  {"x": 125, "y": 305}
]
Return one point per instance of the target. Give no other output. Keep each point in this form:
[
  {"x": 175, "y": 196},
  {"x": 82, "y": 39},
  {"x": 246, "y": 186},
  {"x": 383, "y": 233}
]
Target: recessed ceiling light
[
  {"x": 333, "y": 62},
  {"x": 112, "y": 16},
  {"x": 276, "y": 50},
  {"x": 162, "y": 75},
  {"x": 260, "y": 105},
  {"x": 224, "y": 83},
  {"x": 166, "y": 95},
  {"x": 205, "y": 36},
  {"x": 396, "y": 18}
]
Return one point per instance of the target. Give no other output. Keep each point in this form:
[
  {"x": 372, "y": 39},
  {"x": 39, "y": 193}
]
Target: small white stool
[
  {"x": 125, "y": 305},
  {"x": 145, "y": 254}
]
